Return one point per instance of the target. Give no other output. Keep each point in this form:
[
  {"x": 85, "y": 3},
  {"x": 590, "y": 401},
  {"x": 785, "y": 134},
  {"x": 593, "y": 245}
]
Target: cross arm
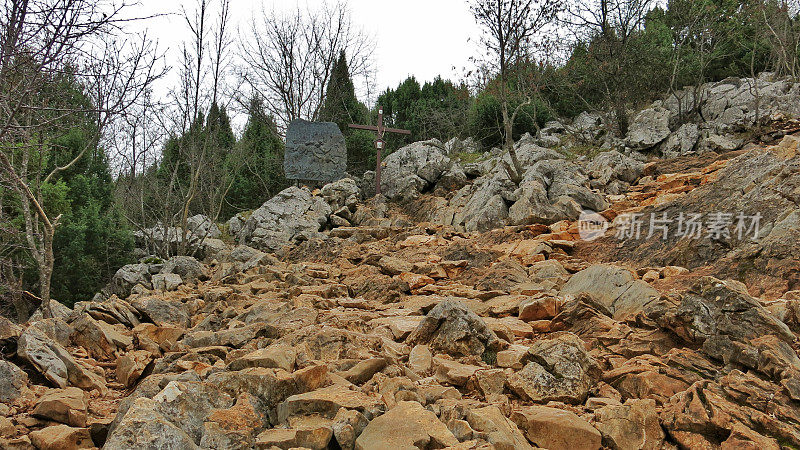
[
  {"x": 379, "y": 130},
  {"x": 364, "y": 127},
  {"x": 395, "y": 130}
]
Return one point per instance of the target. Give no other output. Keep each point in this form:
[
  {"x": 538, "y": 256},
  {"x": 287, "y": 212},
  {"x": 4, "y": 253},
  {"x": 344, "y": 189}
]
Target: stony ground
[{"x": 397, "y": 334}]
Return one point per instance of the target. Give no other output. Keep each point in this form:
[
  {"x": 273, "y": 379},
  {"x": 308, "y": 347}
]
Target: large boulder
[
  {"x": 560, "y": 370},
  {"x": 481, "y": 206},
  {"x": 162, "y": 312},
  {"x": 534, "y": 206},
  {"x": 737, "y": 103},
  {"x": 587, "y": 127},
  {"x": 203, "y": 227},
  {"x": 68, "y": 406},
  {"x": 127, "y": 277},
  {"x": 649, "y": 128},
  {"x": 726, "y": 322},
  {"x": 341, "y": 193},
  {"x": 453, "y": 328},
  {"x": 613, "y": 287},
  {"x": 187, "y": 267},
  {"x": 412, "y": 169},
  {"x": 13, "y": 382},
  {"x": 61, "y": 437},
  {"x": 562, "y": 178},
  {"x": 557, "y": 429},
  {"x": 613, "y": 172},
  {"x": 55, "y": 362},
  {"x": 100, "y": 339},
  {"x": 681, "y": 142},
  {"x": 632, "y": 425},
  {"x": 143, "y": 426},
  {"x": 291, "y": 216},
  {"x": 406, "y": 426}
]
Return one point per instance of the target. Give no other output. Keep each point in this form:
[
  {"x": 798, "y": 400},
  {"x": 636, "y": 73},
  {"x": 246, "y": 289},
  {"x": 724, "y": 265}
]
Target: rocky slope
[
  {"x": 467, "y": 312},
  {"x": 388, "y": 332}
]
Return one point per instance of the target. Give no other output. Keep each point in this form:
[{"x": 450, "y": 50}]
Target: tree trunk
[
  {"x": 515, "y": 173},
  {"x": 622, "y": 118},
  {"x": 46, "y": 274}
]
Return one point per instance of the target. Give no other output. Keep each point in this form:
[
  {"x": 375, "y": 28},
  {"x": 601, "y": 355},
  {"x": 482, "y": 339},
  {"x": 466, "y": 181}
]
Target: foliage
[
  {"x": 437, "y": 109},
  {"x": 259, "y": 174},
  {"x": 342, "y": 107},
  {"x": 486, "y": 119}
]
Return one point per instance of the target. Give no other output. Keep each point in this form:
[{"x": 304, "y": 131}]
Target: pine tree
[
  {"x": 259, "y": 176},
  {"x": 342, "y": 107}
]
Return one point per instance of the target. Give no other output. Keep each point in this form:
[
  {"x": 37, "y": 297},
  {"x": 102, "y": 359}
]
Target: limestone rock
[
  {"x": 68, "y": 406},
  {"x": 131, "y": 366},
  {"x": 560, "y": 370},
  {"x": 162, "y": 312},
  {"x": 62, "y": 437},
  {"x": 291, "y": 216},
  {"x": 556, "y": 429},
  {"x": 681, "y": 142},
  {"x": 347, "y": 427},
  {"x": 99, "y": 338},
  {"x": 144, "y": 427},
  {"x": 411, "y": 169},
  {"x": 406, "y": 426},
  {"x": 500, "y": 431},
  {"x": 127, "y": 277},
  {"x": 13, "y": 381},
  {"x": 649, "y": 128},
  {"x": 203, "y": 227},
  {"x": 632, "y": 425},
  {"x": 723, "y": 318},
  {"x": 55, "y": 363},
  {"x": 453, "y": 328},
  {"x": 613, "y": 287},
  {"x": 187, "y": 267},
  {"x": 277, "y": 356},
  {"x": 327, "y": 402},
  {"x": 166, "y": 281}
]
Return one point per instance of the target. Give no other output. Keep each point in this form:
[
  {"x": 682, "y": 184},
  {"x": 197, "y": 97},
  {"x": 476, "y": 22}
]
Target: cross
[{"x": 379, "y": 143}]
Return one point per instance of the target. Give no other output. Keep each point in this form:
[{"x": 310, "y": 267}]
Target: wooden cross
[{"x": 379, "y": 143}]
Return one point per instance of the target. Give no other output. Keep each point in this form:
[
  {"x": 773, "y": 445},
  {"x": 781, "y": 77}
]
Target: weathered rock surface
[
  {"x": 556, "y": 428},
  {"x": 613, "y": 287},
  {"x": 292, "y": 215},
  {"x": 406, "y": 426},
  {"x": 12, "y": 382},
  {"x": 453, "y": 328},
  {"x": 399, "y": 333},
  {"x": 560, "y": 370},
  {"x": 412, "y": 169}
]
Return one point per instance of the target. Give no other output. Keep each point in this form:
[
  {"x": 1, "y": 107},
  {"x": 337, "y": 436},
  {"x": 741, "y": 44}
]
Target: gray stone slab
[{"x": 315, "y": 151}]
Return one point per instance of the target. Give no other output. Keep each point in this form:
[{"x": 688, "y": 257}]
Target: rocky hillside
[{"x": 465, "y": 313}]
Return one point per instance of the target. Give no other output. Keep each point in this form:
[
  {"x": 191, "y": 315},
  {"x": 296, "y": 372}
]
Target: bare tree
[
  {"x": 194, "y": 172},
  {"x": 610, "y": 27},
  {"x": 778, "y": 20},
  {"x": 40, "y": 41},
  {"x": 222, "y": 42},
  {"x": 288, "y": 58},
  {"x": 509, "y": 29}
]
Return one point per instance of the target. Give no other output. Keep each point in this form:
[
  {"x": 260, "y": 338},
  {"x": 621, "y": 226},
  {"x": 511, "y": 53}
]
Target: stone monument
[{"x": 315, "y": 152}]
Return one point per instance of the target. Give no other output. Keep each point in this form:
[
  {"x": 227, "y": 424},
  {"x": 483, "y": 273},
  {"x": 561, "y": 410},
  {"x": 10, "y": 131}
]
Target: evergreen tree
[
  {"x": 342, "y": 107},
  {"x": 259, "y": 175},
  {"x": 92, "y": 240}
]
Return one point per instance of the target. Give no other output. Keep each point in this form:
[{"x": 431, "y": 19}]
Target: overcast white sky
[{"x": 424, "y": 38}]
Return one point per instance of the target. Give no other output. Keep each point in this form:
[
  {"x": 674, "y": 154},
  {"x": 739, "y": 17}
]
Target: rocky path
[{"x": 396, "y": 334}]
